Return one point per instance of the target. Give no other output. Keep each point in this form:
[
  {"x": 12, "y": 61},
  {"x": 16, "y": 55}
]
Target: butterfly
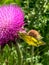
[{"x": 31, "y": 40}]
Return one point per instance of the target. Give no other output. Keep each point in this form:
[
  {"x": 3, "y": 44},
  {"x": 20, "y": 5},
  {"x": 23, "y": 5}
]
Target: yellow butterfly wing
[
  {"x": 40, "y": 42},
  {"x": 30, "y": 40}
]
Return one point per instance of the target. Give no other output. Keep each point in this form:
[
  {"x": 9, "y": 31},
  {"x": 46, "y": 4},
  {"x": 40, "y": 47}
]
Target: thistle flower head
[{"x": 11, "y": 22}]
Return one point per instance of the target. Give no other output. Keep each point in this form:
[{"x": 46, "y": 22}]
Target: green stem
[
  {"x": 32, "y": 55},
  {"x": 19, "y": 53}
]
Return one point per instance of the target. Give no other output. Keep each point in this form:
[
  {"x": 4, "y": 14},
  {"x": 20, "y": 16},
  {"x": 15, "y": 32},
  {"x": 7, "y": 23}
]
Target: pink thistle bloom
[{"x": 11, "y": 22}]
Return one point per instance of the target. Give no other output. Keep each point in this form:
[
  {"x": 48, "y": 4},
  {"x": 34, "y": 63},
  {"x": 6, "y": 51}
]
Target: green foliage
[
  {"x": 36, "y": 17},
  {"x": 18, "y": 2}
]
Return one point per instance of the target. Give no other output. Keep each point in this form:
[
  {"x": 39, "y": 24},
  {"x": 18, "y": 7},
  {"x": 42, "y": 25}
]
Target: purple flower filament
[{"x": 11, "y": 22}]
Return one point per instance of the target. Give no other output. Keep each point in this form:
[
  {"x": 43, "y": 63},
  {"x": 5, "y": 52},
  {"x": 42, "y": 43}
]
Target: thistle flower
[{"x": 11, "y": 22}]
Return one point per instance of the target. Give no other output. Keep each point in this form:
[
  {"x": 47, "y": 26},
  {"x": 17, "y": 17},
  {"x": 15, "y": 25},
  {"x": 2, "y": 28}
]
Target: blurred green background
[{"x": 36, "y": 17}]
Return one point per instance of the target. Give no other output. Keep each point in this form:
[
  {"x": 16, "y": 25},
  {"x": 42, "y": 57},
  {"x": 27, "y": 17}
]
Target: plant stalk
[
  {"x": 19, "y": 53},
  {"x": 32, "y": 55}
]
